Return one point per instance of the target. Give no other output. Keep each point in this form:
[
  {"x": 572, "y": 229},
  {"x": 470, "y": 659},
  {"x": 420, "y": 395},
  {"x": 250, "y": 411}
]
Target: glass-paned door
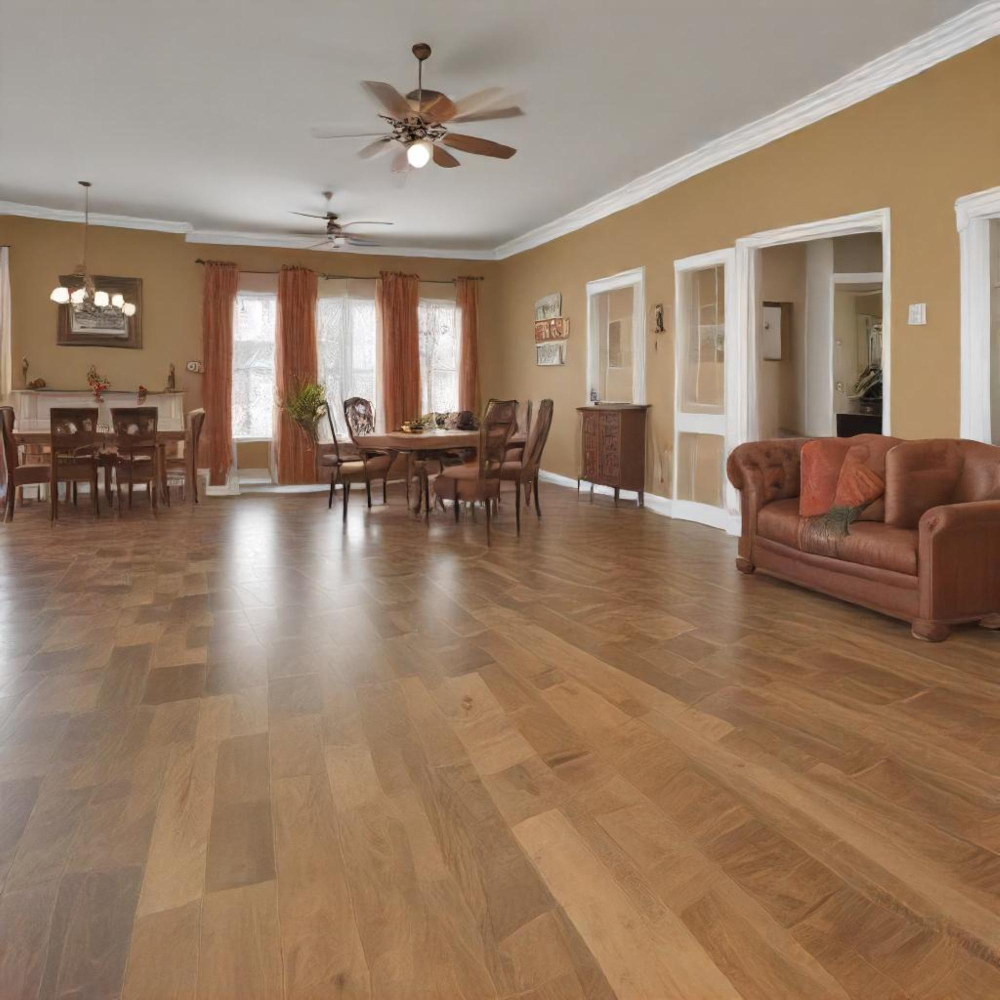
[{"x": 700, "y": 400}]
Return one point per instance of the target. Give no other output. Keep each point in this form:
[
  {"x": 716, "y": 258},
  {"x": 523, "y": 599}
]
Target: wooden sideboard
[{"x": 614, "y": 447}]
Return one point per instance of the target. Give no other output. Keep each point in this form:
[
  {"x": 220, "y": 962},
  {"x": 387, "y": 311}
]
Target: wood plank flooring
[{"x": 248, "y": 753}]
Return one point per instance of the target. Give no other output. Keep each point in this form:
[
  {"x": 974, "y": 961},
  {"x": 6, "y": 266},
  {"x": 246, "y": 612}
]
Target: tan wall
[
  {"x": 171, "y": 298},
  {"x": 914, "y": 149},
  {"x": 783, "y": 279}
]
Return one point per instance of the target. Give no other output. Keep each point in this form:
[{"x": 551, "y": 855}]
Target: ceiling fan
[
  {"x": 337, "y": 235},
  {"x": 420, "y": 120}
]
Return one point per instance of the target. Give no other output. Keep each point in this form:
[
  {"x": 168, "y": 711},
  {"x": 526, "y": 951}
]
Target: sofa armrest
[
  {"x": 763, "y": 471},
  {"x": 957, "y": 560}
]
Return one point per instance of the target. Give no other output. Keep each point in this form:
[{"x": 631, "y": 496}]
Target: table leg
[{"x": 427, "y": 492}]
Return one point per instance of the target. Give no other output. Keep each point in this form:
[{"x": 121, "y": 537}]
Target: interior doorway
[
  {"x": 978, "y": 219},
  {"x": 704, "y": 390},
  {"x": 616, "y": 338},
  {"x": 813, "y": 323}
]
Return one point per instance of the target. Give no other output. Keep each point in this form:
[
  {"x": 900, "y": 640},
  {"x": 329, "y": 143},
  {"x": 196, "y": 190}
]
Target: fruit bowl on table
[{"x": 412, "y": 427}]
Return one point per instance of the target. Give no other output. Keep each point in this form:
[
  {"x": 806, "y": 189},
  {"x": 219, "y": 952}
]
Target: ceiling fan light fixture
[
  {"x": 418, "y": 154},
  {"x": 60, "y": 295}
]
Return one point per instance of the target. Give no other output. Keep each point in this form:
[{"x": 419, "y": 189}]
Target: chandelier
[{"x": 87, "y": 293}]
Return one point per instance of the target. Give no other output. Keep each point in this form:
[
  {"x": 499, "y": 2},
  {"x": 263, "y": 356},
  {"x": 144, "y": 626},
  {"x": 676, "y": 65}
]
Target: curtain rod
[{"x": 357, "y": 277}]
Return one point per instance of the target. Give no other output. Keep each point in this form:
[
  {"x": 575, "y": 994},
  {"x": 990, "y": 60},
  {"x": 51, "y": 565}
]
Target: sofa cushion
[
  {"x": 822, "y": 460},
  {"x": 869, "y": 543},
  {"x": 920, "y": 475},
  {"x": 780, "y": 522}
]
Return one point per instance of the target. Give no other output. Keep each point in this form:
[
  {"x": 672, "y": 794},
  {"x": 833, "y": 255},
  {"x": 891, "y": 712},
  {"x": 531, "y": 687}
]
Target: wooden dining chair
[
  {"x": 349, "y": 466},
  {"x": 478, "y": 481},
  {"x": 76, "y": 445},
  {"x": 184, "y": 466},
  {"x": 515, "y": 450},
  {"x": 359, "y": 415},
  {"x": 524, "y": 470},
  {"x": 136, "y": 450},
  {"x": 16, "y": 475}
]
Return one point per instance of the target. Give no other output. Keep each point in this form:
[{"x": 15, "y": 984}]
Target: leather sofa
[{"x": 934, "y": 559}]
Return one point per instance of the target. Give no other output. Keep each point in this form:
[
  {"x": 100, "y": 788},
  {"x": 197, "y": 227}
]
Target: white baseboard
[{"x": 683, "y": 510}]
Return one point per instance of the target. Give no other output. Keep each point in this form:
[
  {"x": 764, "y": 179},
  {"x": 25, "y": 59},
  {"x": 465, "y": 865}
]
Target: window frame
[{"x": 254, "y": 293}]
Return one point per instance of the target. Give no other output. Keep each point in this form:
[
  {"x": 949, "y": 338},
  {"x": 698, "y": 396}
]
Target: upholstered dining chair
[
  {"x": 347, "y": 467},
  {"x": 136, "y": 450},
  {"x": 16, "y": 475},
  {"x": 359, "y": 415},
  {"x": 479, "y": 480},
  {"x": 523, "y": 471},
  {"x": 184, "y": 466},
  {"x": 76, "y": 445}
]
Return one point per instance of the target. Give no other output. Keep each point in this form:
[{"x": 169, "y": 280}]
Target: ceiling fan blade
[
  {"x": 365, "y": 222},
  {"x": 488, "y": 116},
  {"x": 315, "y": 245},
  {"x": 374, "y": 148},
  {"x": 479, "y": 101},
  {"x": 388, "y": 97},
  {"x": 443, "y": 158},
  {"x": 324, "y": 133},
  {"x": 310, "y": 215},
  {"x": 437, "y": 108},
  {"x": 473, "y": 144},
  {"x": 352, "y": 241}
]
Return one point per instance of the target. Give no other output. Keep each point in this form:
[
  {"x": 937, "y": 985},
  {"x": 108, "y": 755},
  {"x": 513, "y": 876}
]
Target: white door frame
[
  {"x": 972, "y": 218},
  {"x": 726, "y": 516},
  {"x": 636, "y": 280},
  {"x": 747, "y": 278}
]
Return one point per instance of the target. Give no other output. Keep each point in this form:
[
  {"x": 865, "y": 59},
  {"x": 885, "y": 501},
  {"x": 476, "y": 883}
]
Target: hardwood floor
[{"x": 247, "y": 753}]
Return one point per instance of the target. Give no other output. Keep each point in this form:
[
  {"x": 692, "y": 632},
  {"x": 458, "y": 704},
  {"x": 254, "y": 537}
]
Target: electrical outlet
[{"x": 918, "y": 314}]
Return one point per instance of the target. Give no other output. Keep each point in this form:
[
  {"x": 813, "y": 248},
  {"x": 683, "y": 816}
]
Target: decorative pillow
[
  {"x": 858, "y": 486},
  {"x": 821, "y": 460}
]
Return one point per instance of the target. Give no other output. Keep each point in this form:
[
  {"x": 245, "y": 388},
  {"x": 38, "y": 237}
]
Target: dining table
[
  {"x": 423, "y": 445},
  {"x": 163, "y": 438}
]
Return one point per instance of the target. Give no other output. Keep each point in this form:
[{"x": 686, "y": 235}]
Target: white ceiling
[{"x": 200, "y": 112}]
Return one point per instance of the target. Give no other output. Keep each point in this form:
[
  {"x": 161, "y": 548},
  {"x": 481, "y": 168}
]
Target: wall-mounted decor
[
  {"x": 549, "y": 307},
  {"x": 195, "y": 367},
  {"x": 550, "y": 340},
  {"x": 86, "y": 324}
]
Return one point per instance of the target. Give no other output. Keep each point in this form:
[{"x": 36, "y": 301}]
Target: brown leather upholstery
[{"x": 933, "y": 560}]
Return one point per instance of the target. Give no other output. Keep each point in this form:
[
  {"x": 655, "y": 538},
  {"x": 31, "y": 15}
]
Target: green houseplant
[{"x": 305, "y": 404}]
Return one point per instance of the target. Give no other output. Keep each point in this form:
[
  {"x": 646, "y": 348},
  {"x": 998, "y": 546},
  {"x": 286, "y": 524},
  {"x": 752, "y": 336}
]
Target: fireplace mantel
[{"x": 31, "y": 406}]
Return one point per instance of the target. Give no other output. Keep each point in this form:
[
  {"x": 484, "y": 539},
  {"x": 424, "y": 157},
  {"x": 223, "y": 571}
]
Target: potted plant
[{"x": 305, "y": 404}]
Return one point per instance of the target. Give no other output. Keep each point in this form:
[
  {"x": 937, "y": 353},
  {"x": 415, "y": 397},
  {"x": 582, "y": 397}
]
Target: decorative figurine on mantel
[
  {"x": 140, "y": 396},
  {"x": 99, "y": 384},
  {"x": 171, "y": 379}
]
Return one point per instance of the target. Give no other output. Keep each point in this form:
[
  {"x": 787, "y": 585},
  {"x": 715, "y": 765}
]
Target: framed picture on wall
[{"x": 87, "y": 325}]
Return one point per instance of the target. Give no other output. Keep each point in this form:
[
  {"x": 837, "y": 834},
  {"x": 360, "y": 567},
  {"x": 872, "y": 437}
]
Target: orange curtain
[
  {"x": 295, "y": 364},
  {"x": 217, "y": 309},
  {"x": 396, "y": 299},
  {"x": 467, "y": 300}
]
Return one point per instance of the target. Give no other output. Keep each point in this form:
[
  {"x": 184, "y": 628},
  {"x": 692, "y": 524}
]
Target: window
[
  {"x": 437, "y": 320},
  {"x": 345, "y": 343},
  {"x": 253, "y": 364}
]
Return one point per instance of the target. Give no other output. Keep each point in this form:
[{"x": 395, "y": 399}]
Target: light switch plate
[{"x": 918, "y": 314}]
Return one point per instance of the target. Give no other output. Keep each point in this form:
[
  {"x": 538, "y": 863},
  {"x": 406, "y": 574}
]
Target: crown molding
[
  {"x": 227, "y": 238},
  {"x": 96, "y": 218},
  {"x": 950, "y": 38}
]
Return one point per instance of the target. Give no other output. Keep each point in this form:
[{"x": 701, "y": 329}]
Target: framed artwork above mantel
[{"x": 87, "y": 325}]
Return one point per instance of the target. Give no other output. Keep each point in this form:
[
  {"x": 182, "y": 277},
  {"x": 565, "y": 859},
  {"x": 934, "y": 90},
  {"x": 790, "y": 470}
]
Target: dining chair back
[
  {"x": 501, "y": 409},
  {"x": 75, "y": 443},
  {"x": 136, "y": 449},
  {"x": 16, "y": 474},
  {"x": 537, "y": 438},
  {"x": 523, "y": 418},
  {"x": 359, "y": 414}
]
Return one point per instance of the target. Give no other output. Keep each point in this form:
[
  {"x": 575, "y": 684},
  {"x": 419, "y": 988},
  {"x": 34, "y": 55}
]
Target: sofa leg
[
  {"x": 930, "y": 631},
  {"x": 744, "y": 565}
]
